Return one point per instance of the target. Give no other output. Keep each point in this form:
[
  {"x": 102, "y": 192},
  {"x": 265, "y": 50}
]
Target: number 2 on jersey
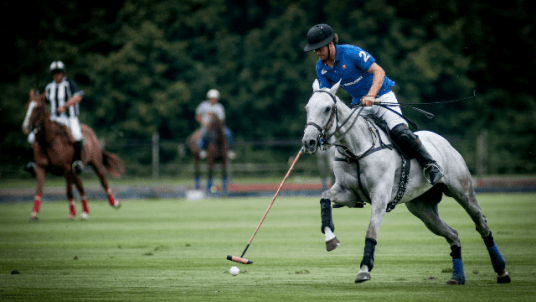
[{"x": 364, "y": 55}]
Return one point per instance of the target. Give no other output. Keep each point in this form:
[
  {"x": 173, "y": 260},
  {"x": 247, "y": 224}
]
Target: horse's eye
[{"x": 327, "y": 109}]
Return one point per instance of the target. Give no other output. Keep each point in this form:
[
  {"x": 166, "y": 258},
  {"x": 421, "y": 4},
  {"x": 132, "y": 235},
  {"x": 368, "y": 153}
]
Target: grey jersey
[{"x": 206, "y": 110}]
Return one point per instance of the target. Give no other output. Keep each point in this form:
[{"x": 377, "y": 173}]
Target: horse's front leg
[
  {"x": 340, "y": 196},
  {"x": 379, "y": 198},
  {"x": 40, "y": 177}
]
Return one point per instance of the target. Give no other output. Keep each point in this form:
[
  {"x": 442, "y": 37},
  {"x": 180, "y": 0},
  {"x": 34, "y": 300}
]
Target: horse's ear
[
  {"x": 316, "y": 85},
  {"x": 32, "y": 94},
  {"x": 334, "y": 88}
]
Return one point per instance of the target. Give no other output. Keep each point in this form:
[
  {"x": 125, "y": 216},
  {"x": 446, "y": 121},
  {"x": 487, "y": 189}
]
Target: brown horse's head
[
  {"x": 215, "y": 128},
  {"x": 36, "y": 112}
]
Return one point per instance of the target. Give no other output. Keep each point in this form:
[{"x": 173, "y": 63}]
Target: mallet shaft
[
  {"x": 246, "y": 261},
  {"x": 275, "y": 196}
]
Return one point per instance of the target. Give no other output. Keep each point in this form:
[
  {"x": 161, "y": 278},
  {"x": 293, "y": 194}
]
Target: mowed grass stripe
[{"x": 174, "y": 250}]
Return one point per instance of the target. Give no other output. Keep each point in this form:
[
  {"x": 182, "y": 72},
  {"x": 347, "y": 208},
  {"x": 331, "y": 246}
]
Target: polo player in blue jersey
[{"x": 365, "y": 81}]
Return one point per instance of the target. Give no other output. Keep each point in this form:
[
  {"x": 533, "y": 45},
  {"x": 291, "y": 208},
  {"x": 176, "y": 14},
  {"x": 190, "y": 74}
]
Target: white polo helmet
[
  {"x": 213, "y": 93},
  {"x": 57, "y": 66}
]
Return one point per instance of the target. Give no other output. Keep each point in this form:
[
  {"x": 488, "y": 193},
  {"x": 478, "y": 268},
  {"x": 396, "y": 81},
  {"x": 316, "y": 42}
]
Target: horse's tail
[{"x": 113, "y": 164}]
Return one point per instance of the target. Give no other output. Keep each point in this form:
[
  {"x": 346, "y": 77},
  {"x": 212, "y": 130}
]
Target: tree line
[{"x": 145, "y": 65}]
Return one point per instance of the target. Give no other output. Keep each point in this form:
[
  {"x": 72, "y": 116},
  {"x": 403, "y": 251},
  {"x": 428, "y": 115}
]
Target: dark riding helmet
[{"x": 318, "y": 36}]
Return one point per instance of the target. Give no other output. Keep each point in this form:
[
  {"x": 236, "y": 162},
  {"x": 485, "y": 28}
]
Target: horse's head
[
  {"x": 321, "y": 115},
  {"x": 215, "y": 125},
  {"x": 36, "y": 112}
]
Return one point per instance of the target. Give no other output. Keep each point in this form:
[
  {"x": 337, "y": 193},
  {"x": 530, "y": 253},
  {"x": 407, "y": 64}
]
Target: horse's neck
[
  {"x": 49, "y": 131},
  {"x": 356, "y": 131}
]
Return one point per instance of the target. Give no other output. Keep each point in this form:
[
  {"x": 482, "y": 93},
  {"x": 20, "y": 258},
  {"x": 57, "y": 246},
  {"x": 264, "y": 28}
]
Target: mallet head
[{"x": 239, "y": 260}]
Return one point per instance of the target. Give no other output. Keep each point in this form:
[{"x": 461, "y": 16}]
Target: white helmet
[
  {"x": 213, "y": 93},
  {"x": 57, "y": 66}
]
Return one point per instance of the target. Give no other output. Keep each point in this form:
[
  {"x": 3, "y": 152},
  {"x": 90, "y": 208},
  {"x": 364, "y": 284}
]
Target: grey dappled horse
[{"x": 369, "y": 169}]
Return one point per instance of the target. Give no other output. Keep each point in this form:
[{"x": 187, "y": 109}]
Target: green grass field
[{"x": 175, "y": 250}]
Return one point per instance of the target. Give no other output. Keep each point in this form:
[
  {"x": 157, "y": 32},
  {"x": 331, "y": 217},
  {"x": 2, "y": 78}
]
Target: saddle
[
  {"x": 404, "y": 171},
  {"x": 67, "y": 133}
]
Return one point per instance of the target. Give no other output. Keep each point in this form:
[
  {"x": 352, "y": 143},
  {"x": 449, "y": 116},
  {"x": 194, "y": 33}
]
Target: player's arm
[
  {"x": 199, "y": 119},
  {"x": 378, "y": 74},
  {"x": 73, "y": 101}
]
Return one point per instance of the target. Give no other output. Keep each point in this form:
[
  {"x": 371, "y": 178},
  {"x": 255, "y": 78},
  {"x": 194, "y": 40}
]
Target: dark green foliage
[{"x": 145, "y": 65}]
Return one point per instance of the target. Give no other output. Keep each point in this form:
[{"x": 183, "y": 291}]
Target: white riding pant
[
  {"x": 71, "y": 122},
  {"x": 392, "y": 119}
]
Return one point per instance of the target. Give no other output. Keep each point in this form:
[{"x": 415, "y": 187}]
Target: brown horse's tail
[{"x": 113, "y": 164}]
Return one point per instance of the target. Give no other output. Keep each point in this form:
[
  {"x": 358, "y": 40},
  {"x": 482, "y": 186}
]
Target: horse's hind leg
[
  {"x": 425, "y": 208},
  {"x": 71, "y": 179},
  {"x": 467, "y": 199},
  {"x": 99, "y": 170}
]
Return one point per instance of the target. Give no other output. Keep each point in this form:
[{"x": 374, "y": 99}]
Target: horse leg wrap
[
  {"x": 197, "y": 180},
  {"x": 209, "y": 183},
  {"x": 458, "y": 273},
  {"x": 224, "y": 182},
  {"x": 72, "y": 209},
  {"x": 325, "y": 214},
  {"x": 85, "y": 207},
  {"x": 368, "y": 256},
  {"x": 497, "y": 260},
  {"x": 37, "y": 204}
]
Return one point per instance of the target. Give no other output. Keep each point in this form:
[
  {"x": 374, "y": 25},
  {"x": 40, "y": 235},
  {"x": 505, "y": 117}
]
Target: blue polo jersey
[{"x": 350, "y": 66}]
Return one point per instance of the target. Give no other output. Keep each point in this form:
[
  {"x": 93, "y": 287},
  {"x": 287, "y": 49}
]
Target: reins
[{"x": 344, "y": 150}]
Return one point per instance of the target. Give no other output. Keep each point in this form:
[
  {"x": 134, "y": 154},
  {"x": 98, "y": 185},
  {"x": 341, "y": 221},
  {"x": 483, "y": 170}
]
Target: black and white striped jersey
[{"x": 59, "y": 94}]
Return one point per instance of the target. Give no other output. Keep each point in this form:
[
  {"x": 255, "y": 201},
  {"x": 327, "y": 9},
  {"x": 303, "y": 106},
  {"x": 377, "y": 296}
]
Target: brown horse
[
  {"x": 53, "y": 152},
  {"x": 216, "y": 151}
]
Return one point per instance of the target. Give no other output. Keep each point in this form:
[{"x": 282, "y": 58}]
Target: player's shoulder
[{"x": 349, "y": 49}]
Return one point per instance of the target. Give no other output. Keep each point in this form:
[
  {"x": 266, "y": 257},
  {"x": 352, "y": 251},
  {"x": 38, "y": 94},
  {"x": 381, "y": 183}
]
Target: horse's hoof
[
  {"x": 71, "y": 217},
  {"x": 504, "y": 279},
  {"x": 362, "y": 277},
  {"x": 33, "y": 218},
  {"x": 84, "y": 215},
  {"x": 332, "y": 244}
]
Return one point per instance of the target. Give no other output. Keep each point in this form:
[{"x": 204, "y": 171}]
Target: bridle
[
  {"x": 323, "y": 137},
  {"x": 34, "y": 123}
]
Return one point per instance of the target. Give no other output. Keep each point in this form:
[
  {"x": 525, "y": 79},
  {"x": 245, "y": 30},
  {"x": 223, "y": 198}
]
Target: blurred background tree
[{"x": 146, "y": 65}]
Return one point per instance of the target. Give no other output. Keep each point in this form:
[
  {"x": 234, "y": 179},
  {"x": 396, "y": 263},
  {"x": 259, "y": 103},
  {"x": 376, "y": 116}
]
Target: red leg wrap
[
  {"x": 37, "y": 204},
  {"x": 72, "y": 209},
  {"x": 85, "y": 207}
]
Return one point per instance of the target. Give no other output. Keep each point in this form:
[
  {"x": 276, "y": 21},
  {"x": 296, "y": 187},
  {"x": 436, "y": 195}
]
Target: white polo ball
[{"x": 234, "y": 270}]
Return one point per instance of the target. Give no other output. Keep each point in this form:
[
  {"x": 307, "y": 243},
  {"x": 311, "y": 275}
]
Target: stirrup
[
  {"x": 78, "y": 166},
  {"x": 433, "y": 176},
  {"x": 30, "y": 168}
]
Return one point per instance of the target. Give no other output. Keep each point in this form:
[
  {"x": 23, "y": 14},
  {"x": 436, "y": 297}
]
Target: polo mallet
[{"x": 246, "y": 261}]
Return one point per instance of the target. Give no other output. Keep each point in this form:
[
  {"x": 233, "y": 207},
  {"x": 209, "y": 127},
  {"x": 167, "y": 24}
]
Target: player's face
[
  {"x": 323, "y": 52},
  {"x": 213, "y": 100},
  {"x": 58, "y": 77}
]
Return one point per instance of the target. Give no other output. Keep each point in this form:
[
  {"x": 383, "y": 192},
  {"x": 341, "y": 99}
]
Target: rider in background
[
  {"x": 64, "y": 96},
  {"x": 366, "y": 82},
  {"x": 203, "y": 114}
]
